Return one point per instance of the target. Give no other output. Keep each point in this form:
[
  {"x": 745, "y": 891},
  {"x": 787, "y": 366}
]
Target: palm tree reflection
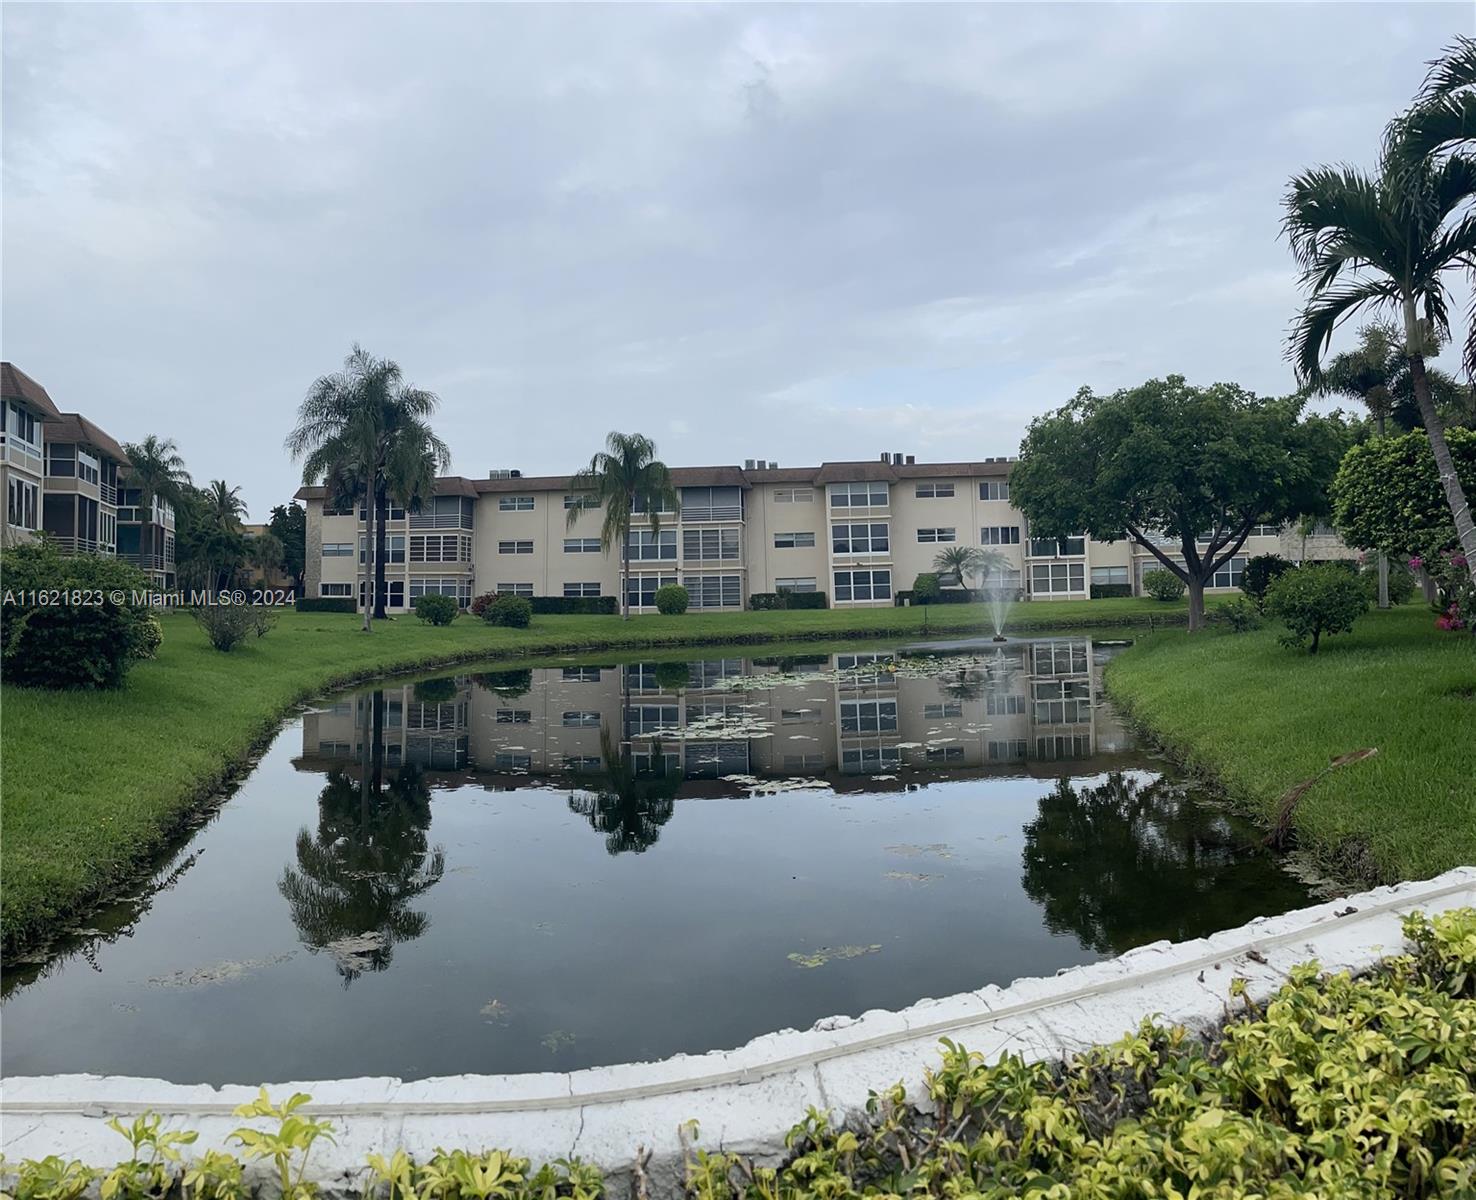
[
  {"x": 357, "y": 875},
  {"x": 628, "y": 801}
]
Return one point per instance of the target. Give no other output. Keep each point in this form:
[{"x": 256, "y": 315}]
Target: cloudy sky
[{"x": 782, "y": 232}]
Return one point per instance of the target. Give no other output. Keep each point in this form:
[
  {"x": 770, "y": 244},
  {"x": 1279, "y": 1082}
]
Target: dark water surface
[{"x": 558, "y": 867}]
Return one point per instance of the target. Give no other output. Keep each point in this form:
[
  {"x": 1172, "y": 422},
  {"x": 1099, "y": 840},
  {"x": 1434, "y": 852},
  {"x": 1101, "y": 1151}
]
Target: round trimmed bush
[
  {"x": 1163, "y": 585},
  {"x": 149, "y": 636},
  {"x": 672, "y": 676},
  {"x": 513, "y": 611},
  {"x": 436, "y": 609},
  {"x": 926, "y": 589},
  {"x": 672, "y": 600},
  {"x": 1313, "y": 600}
]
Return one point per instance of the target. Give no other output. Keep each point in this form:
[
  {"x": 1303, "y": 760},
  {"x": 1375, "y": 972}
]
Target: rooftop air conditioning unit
[
  {"x": 912, "y": 460},
  {"x": 886, "y": 457},
  {"x": 748, "y": 464}
]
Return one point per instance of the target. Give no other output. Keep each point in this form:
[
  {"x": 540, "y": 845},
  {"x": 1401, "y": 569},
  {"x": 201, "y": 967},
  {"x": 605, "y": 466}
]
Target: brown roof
[
  {"x": 74, "y": 427},
  {"x": 15, "y": 384}
]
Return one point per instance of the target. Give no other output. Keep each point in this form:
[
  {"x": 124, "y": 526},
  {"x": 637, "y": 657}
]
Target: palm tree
[
  {"x": 1376, "y": 243},
  {"x": 226, "y": 505},
  {"x": 958, "y": 561},
  {"x": 350, "y": 425},
  {"x": 626, "y": 478},
  {"x": 157, "y": 469},
  {"x": 627, "y": 803},
  {"x": 416, "y": 457}
]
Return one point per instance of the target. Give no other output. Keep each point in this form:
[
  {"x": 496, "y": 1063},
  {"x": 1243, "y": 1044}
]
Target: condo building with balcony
[
  {"x": 80, "y": 508},
  {"x": 27, "y": 410},
  {"x": 858, "y": 531}
]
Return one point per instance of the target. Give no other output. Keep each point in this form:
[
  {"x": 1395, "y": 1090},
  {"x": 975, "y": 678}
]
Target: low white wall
[{"x": 745, "y": 1099}]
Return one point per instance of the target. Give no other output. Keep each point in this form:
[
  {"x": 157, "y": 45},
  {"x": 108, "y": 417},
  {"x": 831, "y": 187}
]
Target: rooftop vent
[
  {"x": 748, "y": 464},
  {"x": 912, "y": 460},
  {"x": 504, "y": 473}
]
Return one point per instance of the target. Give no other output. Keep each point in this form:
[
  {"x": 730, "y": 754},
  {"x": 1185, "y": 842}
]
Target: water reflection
[{"x": 629, "y": 798}]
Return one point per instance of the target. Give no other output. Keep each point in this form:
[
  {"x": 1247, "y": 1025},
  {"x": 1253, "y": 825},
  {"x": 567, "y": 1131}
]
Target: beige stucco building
[{"x": 858, "y": 531}]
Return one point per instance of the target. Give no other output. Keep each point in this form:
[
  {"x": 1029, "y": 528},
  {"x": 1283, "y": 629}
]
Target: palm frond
[{"x": 1323, "y": 313}]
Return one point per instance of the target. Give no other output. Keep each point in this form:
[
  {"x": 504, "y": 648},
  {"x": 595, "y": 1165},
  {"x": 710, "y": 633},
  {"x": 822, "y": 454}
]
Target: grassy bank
[
  {"x": 94, "y": 783},
  {"x": 1258, "y": 719}
]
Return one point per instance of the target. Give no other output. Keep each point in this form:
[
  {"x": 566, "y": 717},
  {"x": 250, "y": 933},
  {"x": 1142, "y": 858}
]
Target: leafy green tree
[
  {"x": 1166, "y": 460},
  {"x": 925, "y": 589},
  {"x": 1260, "y": 572},
  {"x": 210, "y": 545},
  {"x": 1385, "y": 243},
  {"x": 289, "y": 525},
  {"x": 1387, "y": 494},
  {"x": 265, "y": 553},
  {"x": 625, "y": 478},
  {"x": 353, "y": 429},
  {"x": 1316, "y": 599},
  {"x": 157, "y": 469}
]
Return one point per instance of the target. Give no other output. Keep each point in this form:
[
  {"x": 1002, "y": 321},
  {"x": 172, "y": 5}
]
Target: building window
[
  {"x": 582, "y": 546},
  {"x": 868, "y": 716},
  {"x": 638, "y": 506},
  {"x": 794, "y": 495},
  {"x": 1063, "y": 701},
  {"x": 516, "y": 547},
  {"x": 863, "y": 585},
  {"x": 640, "y": 590},
  {"x": 581, "y": 589},
  {"x": 999, "y": 535},
  {"x": 393, "y": 513},
  {"x": 581, "y": 675},
  {"x": 793, "y": 541},
  {"x": 1004, "y": 704},
  {"x": 860, "y": 538},
  {"x": 439, "y": 547},
  {"x": 583, "y": 500},
  {"x": 395, "y": 589},
  {"x": 514, "y": 589},
  {"x": 945, "y": 753},
  {"x": 515, "y": 503},
  {"x": 22, "y": 426},
  {"x": 651, "y": 718},
  {"x": 712, "y": 504},
  {"x": 714, "y": 591},
  {"x": 871, "y": 758},
  {"x": 458, "y": 589},
  {"x": 1057, "y": 578},
  {"x": 514, "y": 716},
  {"x": 934, "y": 491},
  {"x": 944, "y": 711},
  {"x": 709, "y": 545},
  {"x": 509, "y": 761},
  {"x": 1228, "y": 575},
  {"x": 795, "y": 583},
  {"x": 944, "y": 533},
  {"x": 338, "y": 549},
  {"x": 1066, "y": 547},
  {"x": 858, "y": 495},
  {"x": 21, "y": 503},
  {"x": 1059, "y": 658},
  {"x": 335, "y": 589},
  {"x": 994, "y": 489},
  {"x": 395, "y": 548},
  {"x": 61, "y": 460},
  {"x": 582, "y": 718},
  {"x": 1264, "y": 531},
  {"x": 646, "y": 546},
  {"x": 581, "y": 763},
  {"x": 1109, "y": 576},
  {"x": 1010, "y": 751}
]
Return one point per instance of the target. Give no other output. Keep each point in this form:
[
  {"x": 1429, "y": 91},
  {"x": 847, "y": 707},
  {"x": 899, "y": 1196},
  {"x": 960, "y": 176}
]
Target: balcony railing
[
  {"x": 22, "y": 454},
  {"x": 148, "y": 562},
  {"x": 695, "y": 513},
  {"x": 108, "y": 493},
  {"x": 80, "y": 545},
  {"x": 439, "y": 521}
]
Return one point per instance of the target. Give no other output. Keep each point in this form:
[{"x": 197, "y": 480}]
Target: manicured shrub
[
  {"x": 575, "y": 605},
  {"x": 1110, "y": 591},
  {"x": 71, "y": 622},
  {"x": 672, "y": 676},
  {"x": 436, "y": 609},
  {"x": 786, "y": 599},
  {"x": 1259, "y": 574},
  {"x": 1314, "y": 600},
  {"x": 480, "y": 604},
  {"x": 1240, "y": 614},
  {"x": 515, "y": 612},
  {"x": 672, "y": 600},
  {"x": 149, "y": 636},
  {"x": 1163, "y": 585},
  {"x": 435, "y": 691},
  {"x": 333, "y": 604},
  {"x": 1401, "y": 581},
  {"x": 926, "y": 589}
]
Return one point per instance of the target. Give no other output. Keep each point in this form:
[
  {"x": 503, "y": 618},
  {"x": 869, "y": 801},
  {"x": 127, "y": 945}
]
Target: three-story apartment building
[
  {"x": 858, "y": 531},
  {"x": 27, "y": 409}
]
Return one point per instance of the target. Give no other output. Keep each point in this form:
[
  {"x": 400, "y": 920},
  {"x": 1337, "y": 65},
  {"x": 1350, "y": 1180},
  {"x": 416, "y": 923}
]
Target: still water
[{"x": 566, "y": 865}]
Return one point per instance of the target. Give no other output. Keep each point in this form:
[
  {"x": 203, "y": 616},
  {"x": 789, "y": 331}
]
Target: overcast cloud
[{"x": 783, "y": 232}]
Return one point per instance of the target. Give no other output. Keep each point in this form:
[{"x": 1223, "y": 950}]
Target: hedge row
[
  {"x": 335, "y": 604},
  {"x": 770, "y": 601},
  {"x": 949, "y": 596},
  {"x": 1110, "y": 591},
  {"x": 1339, "y": 1087}
]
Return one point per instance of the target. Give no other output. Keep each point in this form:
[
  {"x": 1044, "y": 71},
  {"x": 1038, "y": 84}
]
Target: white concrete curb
[{"x": 744, "y": 1099}]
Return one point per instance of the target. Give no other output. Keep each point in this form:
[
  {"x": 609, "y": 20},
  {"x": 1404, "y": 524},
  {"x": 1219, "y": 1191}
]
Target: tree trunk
[
  {"x": 368, "y": 570},
  {"x": 381, "y": 518},
  {"x": 1383, "y": 558},
  {"x": 625, "y": 577},
  {"x": 1196, "y": 603},
  {"x": 1455, "y": 495}
]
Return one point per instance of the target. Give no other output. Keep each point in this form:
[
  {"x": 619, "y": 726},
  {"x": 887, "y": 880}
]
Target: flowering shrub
[{"x": 1455, "y": 603}]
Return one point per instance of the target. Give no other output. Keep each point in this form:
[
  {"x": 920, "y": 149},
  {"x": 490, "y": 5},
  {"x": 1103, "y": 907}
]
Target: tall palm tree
[
  {"x": 226, "y": 505},
  {"x": 349, "y": 426},
  {"x": 1371, "y": 243},
  {"x": 157, "y": 469},
  {"x": 415, "y": 458},
  {"x": 626, "y": 478}
]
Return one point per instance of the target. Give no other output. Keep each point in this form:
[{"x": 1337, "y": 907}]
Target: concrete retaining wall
[{"x": 746, "y": 1099}]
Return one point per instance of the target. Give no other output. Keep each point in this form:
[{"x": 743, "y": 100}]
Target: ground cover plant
[
  {"x": 91, "y": 791},
  {"x": 1258, "y": 720},
  {"x": 1354, "y": 1088}
]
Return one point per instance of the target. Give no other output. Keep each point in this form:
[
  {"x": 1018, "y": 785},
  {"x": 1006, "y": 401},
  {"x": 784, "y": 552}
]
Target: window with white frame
[
  {"x": 994, "y": 489},
  {"x": 1264, "y": 531},
  {"x": 945, "y": 754},
  {"x": 514, "y": 716},
  {"x": 870, "y": 758},
  {"x": 793, "y": 541},
  {"x": 714, "y": 591},
  {"x": 646, "y": 546},
  {"x": 582, "y": 764},
  {"x": 458, "y": 589},
  {"x": 87, "y": 467},
  {"x": 933, "y": 491},
  {"x": 1228, "y": 575},
  {"x": 1057, "y": 578},
  {"x": 512, "y": 760},
  {"x": 860, "y": 538},
  {"x": 708, "y": 545},
  {"x": 651, "y": 718},
  {"x": 1113, "y": 576},
  {"x": 663, "y": 505},
  {"x": 395, "y": 593},
  {"x": 1062, "y": 701},
  {"x": 583, "y": 500},
  {"x": 582, "y": 546},
  {"x": 868, "y": 716},
  {"x": 711, "y": 672},
  {"x": 574, "y": 590},
  {"x": 581, "y": 675},
  {"x": 1013, "y": 750},
  {"x": 794, "y": 495},
  {"x": 514, "y": 589},
  {"x": 338, "y": 549},
  {"x": 21, "y": 501},
  {"x": 335, "y": 589},
  {"x": 640, "y": 590},
  {"x": 862, "y": 585},
  {"x": 393, "y": 513},
  {"x": 1004, "y": 704},
  {"x": 1059, "y": 658},
  {"x": 394, "y": 548},
  {"x": 795, "y": 583},
  {"x": 514, "y": 546},
  {"x": 858, "y": 495},
  {"x": 942, "y": 712},
  {"x": 583, "y": 718},
  {"x": 999, "y": 535},
  {"x": 515, "y": 503},
  {"x": 1063, "y": 746},
  {"x": 1066, "y": 547},
  {"x": 942, "y": 533},
  {"x": 21, "y": 425},
  {"x": 442, "y": 547}
]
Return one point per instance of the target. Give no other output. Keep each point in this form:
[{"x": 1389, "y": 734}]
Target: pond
[{"x": 584, "y": 862}]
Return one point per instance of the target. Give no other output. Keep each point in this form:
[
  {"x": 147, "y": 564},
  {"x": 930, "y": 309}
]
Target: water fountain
[{"x": 1000, "y": 597}]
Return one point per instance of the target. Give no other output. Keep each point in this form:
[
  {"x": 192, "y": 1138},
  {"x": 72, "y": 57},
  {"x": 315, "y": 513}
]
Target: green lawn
[
  {"x": 1259, "y": 719},
  {"x": 95, "y": 782}
]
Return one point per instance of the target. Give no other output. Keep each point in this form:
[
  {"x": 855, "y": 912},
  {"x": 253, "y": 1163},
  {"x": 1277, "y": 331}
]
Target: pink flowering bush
[{"x": 1455, "y": 605}]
